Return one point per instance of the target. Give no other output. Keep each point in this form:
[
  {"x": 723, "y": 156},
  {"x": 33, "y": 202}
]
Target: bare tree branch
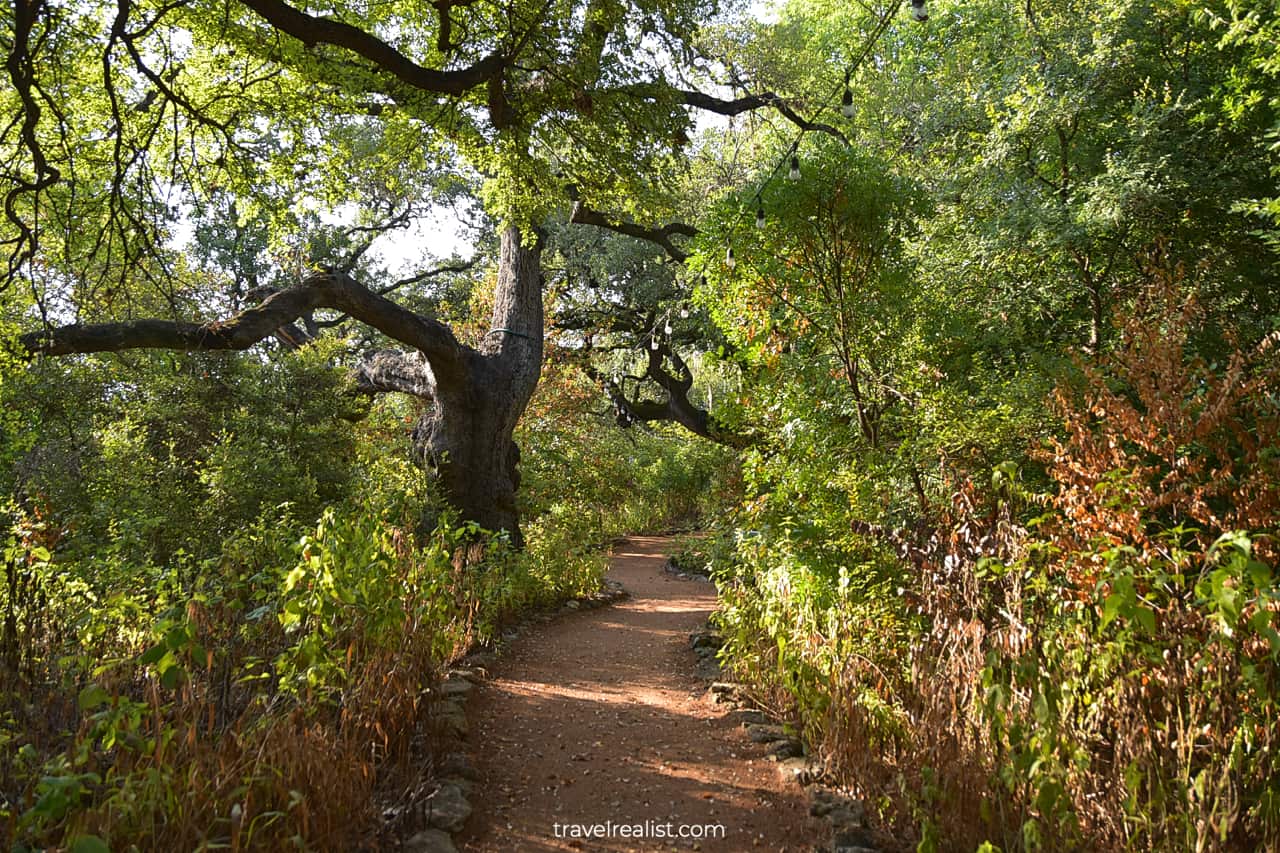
[
  {"x": 426, "y": 274},
  {"x": 386, "y": 370},
  {"x": 20, "y": 65},
  {"x": 322, "y": 290},
  {"x": 747, "y": 103},
  {"x": 676, "y": 407},
  {"x": 584, "y": 215},
  {"x": 312, "y": 30}
]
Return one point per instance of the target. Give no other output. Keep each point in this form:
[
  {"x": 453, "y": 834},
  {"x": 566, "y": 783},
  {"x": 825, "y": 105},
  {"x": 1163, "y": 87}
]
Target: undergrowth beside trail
[
  {"x": 217, "y": 632},
  {"x": 273, "y": 700},
  {"x": 1077, "y": 652}
]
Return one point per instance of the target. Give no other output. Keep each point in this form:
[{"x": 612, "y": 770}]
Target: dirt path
[{"x": 598, "y": 717}]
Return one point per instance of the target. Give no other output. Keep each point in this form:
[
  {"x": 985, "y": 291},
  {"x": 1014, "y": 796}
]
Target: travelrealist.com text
[{"x": 646, "y": 829}]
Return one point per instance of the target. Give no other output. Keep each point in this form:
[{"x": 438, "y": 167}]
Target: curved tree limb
[
  {"x": 676, "y": 406},
  {"x": 386, "y": 370},
  {"x": 461, "y": 266},
  {"x": 747, "y": 103},
  {"x": 20, "y": 66},
  {"x": 312, "y": 30},
  {"x": 323, "y": 290},
  {"x": 805, "y": 124},
  {"x": 584, "y": 215}
]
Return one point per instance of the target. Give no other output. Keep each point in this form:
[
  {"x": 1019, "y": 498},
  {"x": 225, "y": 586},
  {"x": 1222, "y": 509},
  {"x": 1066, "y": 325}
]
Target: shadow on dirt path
[{"x": 597, "y": 717}]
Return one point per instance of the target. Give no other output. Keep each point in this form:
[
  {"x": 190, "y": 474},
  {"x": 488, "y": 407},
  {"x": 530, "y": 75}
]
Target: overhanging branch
[
  {"x": 322, "y": 290},
  {"x": 312, "y": 30},
  {"x": 584, "y": 215},
  {"x": 391, "y": 370},
  {"x": 676, "y": 407},
  {"x": 747, "y": 103}
]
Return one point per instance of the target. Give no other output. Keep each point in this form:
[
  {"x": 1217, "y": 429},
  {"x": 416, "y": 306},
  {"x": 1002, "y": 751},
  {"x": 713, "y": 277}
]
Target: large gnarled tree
[{"x": 124, "y": 117}]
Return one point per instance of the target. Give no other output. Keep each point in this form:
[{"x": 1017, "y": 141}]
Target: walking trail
[{"x": 598, "y": 717}]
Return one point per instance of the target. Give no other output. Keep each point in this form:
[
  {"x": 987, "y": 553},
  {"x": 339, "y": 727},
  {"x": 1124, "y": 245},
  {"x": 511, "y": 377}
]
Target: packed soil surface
[{"x": 597, "y": 717}]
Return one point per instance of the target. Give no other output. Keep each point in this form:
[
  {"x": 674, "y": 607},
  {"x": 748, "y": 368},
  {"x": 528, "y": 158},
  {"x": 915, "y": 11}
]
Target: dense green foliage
[
  {"x": 1007, "y": 548},
  {"x": 213, "y": 595},
  {"x": 998, "y": 524}
]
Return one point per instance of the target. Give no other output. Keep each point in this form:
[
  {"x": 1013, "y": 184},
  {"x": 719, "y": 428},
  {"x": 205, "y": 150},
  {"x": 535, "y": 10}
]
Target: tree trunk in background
[{"x": 464, "y": 440}]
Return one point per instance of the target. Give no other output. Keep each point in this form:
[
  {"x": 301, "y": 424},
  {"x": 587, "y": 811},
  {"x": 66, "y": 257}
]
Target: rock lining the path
[
  {"x": 766, "y": 733},
  {"x": 430, "y": 841},
  {"x": 673, "y": 568},
  {"x": 747, "y": 716},
  {"x": 845, "y": 815},
  {"x": 446, "y": 810}
]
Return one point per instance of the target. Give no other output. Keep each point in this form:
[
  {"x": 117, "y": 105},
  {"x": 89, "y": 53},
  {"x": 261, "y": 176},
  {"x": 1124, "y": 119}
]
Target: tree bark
[
  {"x": 464, "y": 439},
  {"x": 475, "y": 395}
]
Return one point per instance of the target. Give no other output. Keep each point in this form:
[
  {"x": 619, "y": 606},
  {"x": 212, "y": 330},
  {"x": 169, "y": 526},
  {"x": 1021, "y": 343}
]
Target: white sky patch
[
  {"x": 764, "y": 11},
  {"x": 442, "y": 233}
]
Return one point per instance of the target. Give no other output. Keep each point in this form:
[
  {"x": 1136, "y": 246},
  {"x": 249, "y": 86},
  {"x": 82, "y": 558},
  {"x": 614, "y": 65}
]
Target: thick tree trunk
[
  {"x": 465, "y": 438},
  {"x": 476, "y": 395}
]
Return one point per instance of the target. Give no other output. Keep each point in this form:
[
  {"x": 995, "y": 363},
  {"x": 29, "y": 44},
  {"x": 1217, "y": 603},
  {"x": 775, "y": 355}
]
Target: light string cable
[{"x": 844, "y": 93}]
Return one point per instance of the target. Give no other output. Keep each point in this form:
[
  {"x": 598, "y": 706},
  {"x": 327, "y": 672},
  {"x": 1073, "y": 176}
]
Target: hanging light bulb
[
  {"x": 653, "y": 344},
  {"x": 919, "y": 10},
  {"x": 846, "y": 102},
  {"x": 684, "y": 313},
  {"x": 666, "y": 330},
  {"x": 794, "y": 174},
  {"x": 760, "y": 220},
  {"x": 729, "y": 260}
]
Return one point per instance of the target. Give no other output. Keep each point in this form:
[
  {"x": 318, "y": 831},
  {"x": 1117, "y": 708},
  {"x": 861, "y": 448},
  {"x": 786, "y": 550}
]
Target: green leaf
[
  {"x": 1261, "y": 623},
  {"x": 152, "y": 654},
  {"x": 172, "y": 676},
  {"x": 89, "y": 844},
  {"x": 177, "y": 637},
  {"x": 92, "y": 696}
]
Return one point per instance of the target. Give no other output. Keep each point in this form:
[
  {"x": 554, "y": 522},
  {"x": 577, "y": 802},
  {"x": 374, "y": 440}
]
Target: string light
[
  {"x": 653, "y": 344},
  {"x": 684, "y": 313},
  {"x": 791, "y": 158},
  {"x": 667, "y": 329}
]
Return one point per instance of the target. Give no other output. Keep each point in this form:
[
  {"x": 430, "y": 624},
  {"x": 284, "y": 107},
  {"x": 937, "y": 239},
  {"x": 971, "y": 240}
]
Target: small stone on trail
[
  {"x": 765, "y": 733},
  {"x": 448, "y": 808},
  {"x": 481, "y": 659},
  {"x": 456, "y": 687},
  {"x": 796, "y": 770},
  {"x": 747, "y": 716}
]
